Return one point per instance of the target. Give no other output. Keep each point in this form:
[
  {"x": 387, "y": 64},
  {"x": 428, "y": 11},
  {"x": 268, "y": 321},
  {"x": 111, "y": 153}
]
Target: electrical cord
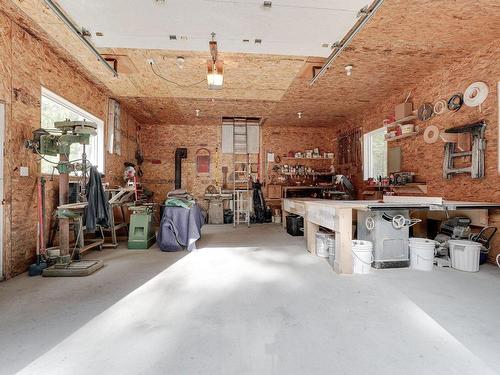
[{"x": 173, "y": 82}]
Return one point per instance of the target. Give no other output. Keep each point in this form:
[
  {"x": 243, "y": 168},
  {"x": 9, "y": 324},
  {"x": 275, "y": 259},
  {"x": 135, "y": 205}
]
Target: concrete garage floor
[{"x": 250, "y": 301}]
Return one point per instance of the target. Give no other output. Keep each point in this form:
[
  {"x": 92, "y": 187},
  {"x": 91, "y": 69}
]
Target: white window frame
[
  {"x": 73, "y": 107},
  {"x": 367, "y": 152}
]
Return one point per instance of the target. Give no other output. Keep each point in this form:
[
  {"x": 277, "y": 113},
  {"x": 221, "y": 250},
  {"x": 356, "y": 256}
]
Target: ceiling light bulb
[
  {"x": 197, "y": 113},
  {"x": 180, "y": 62},
  {"x": 299, "y": 114},
  {"x": 348, "y": 70}
]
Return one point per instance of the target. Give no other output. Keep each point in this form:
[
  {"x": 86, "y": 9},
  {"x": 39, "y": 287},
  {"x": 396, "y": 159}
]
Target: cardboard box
[
  {"x": 403, "y": 110},
  {"x": 274, "y": 191}
]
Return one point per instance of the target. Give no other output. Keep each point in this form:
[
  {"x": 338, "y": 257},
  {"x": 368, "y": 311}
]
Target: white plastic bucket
[
  {"x": 322, "y": 244},
  {"x": 465, "y": 255},
  {"x": 422, "y": 254},
  {"x": 362, "y": 256}
]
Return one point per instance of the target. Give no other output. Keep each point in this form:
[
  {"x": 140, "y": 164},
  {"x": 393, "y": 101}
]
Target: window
[
  {"x": 375, "y": 154},
  {"x": 54, "y": 108}
]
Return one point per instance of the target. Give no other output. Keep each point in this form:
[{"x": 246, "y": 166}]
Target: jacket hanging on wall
[{"x": 97, "y": 210}]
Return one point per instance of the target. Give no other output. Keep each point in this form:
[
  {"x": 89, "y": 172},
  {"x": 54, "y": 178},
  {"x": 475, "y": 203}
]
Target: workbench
[{"x": 338, "y": 217}]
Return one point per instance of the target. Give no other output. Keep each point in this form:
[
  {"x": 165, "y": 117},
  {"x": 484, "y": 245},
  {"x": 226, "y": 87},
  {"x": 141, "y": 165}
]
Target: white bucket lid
[
  {"x": 418, "y": 239},
  {"x": 464, "y": 243},
  {"x": 359, "y": 244}
]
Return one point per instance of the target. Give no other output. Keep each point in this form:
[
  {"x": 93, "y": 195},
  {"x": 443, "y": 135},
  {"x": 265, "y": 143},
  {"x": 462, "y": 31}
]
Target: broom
[{"x": 36, "y": 269}]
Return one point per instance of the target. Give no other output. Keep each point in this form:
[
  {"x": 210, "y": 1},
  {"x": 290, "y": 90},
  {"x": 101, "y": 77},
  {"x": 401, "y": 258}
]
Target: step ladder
[{"x": 241, "y": 176}]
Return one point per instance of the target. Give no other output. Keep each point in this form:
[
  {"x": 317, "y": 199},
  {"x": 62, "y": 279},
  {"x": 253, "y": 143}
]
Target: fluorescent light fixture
[
  {"x": 215, "y": 74},
  {"x": 79, "y": 33},
  {"x": 364, "y": 16}
]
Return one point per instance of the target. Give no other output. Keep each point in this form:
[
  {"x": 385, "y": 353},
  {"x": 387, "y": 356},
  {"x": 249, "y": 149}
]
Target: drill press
[{"x": 57, "y": 142}]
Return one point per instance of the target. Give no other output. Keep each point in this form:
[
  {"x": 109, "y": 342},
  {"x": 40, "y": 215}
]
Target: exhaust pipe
[{"x": 180, "y": 153}]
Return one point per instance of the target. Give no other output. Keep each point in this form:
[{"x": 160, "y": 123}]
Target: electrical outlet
[
  {"x": 150, "y": 61},
  {"x": 24, "y": 171}
]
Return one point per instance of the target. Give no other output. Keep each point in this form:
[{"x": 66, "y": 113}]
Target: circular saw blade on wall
[{"x": 425, "y": 111}]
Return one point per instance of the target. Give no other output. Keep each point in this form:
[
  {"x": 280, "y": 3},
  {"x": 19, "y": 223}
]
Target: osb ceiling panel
[
  {"x": 183, "y": 110},
  {"x": 212, "y": 110},
  {"x": 403, "y": 43},
  {"x": 250, "y": 77},
  {"x": 151, "y": 110}
]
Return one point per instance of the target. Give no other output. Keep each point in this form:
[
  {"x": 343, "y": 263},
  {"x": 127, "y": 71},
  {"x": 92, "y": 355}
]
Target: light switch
[{"x": 24, "y": 171}]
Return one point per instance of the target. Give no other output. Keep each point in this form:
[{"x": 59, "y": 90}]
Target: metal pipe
[
  {"x": 180, "y": 153},
  {"x": 366, "y": 16},
  {"x": 63, "y": 199},
  {"x": 60, "y": 14}
]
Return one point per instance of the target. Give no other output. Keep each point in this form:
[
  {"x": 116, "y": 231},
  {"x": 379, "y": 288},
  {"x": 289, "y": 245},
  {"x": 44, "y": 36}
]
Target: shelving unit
[
  {"x": 294, "y": 158},
  {"x": 309, "y": 174}
]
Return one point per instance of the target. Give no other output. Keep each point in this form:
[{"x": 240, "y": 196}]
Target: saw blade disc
[{"x": 425, "y": 111}]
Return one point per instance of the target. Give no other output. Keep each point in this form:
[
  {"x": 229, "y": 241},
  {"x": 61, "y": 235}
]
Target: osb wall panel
[
  {"x": 162, "y": 140},
  {"x": 26, "y": 64},
  {"x": 114, "y": 163},
  {"x": 282, "y": 139},
  {"x": 427, "y": 159},
  {"x": 5, "y": 90}
]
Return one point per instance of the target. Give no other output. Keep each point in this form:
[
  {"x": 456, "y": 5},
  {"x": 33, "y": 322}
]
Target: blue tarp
[{"x": 180, "y": 227}]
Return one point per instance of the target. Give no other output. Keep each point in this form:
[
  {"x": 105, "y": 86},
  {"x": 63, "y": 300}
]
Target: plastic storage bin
[
  {"x": 465, "y": 255},
  {"x": 295, "y": 225}
]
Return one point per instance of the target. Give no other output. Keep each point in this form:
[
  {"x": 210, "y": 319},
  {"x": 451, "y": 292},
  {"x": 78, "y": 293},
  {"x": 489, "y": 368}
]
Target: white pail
[
  {"x": 422, "y": 254},
  {"x": 362, "y": 256},
  {"x": 322, "y": 244}
]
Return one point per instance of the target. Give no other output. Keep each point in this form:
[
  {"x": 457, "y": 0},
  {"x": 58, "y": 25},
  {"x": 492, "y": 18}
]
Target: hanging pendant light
[{"x": 215, "y": 67}]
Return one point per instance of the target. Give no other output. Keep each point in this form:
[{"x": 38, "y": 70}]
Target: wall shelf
[
  {"x": 402, "y": 136},
  {"x": 401, "y": 121}
]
